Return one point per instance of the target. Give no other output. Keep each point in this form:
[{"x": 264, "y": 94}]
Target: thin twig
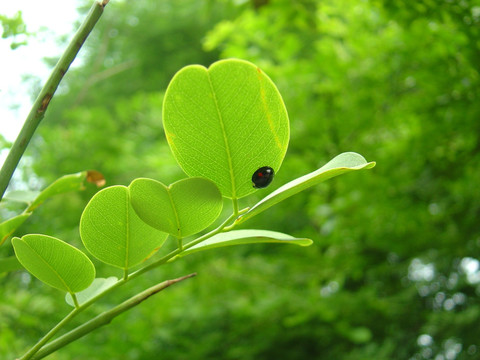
[
  {"x": 105, "y": 318},
  {"x": 102, "y": 75},
  {"x": 41, "y": 104}
]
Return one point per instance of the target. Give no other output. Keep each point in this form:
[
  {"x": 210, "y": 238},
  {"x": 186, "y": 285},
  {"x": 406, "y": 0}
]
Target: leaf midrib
[
  {"x": 48, "y": 266},
  {"x": 225, "y": 138},
  {"x": 179, "y": 229}
]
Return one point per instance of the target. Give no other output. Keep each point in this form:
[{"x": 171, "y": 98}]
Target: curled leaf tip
[{"x": 95, "y": 177}]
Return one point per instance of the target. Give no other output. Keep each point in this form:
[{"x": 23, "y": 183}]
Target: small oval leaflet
[{"x": 262, "y": 177}]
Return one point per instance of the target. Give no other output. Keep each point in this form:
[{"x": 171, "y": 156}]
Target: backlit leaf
[
  {"x": 54, "y": 262},
  {"x": 112, "y": 231},
  {"x": 225, "y": 122},
  {"x": 242, "y": 237},
  {"x": 181, "y": 209},
  {"x": 341, "y": 164},
  {"x": 67, "y": 183}
]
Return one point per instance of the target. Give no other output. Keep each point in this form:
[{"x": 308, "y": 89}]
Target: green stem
[
  {"x": 235, "y": 206},
  {"x": 105, "y": 318},
  {"x": 75, "y": 300},
  {"x": 41, "y": 103},
  {"x": 66, "y": 320},
  {"x": 155, "y": 264},
  {"x": 173, "y": 255},
  {"x": 51, "y": 333},
  {"x": 211, "y": 233},
  {"x": 223, "y": 227},
  {"x": 235, "y": 223}
]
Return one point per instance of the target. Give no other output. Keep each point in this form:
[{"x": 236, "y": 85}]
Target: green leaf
[
  {"x": 96, "y": 287},
  {"x": 341, "y": 164},
  {"x": 112, "y": 231},
  {"x": 241, "y": 237},
  {"x": 67, "y": 183},
  {"x": 54, "y": 262},
  {"x": 34, "y": 199},
  {"x": 9, "y": 226},
  {"x": 225, "y": 122},
  {"x": 181, "y": 209}
]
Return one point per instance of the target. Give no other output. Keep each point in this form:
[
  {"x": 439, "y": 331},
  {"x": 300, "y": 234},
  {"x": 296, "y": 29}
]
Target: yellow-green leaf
[
  {"x": 67, "y": 183},
  {"x": 341, "y": 164},
  {"x": 243, "y": 237},
  {"x": 181, "y": 209},
  {"x": 112, "y": 231},
  {"x": 9, "y": 226},
  {"x": 54, "y": 262},
  {"x": 225, "y": 122}
]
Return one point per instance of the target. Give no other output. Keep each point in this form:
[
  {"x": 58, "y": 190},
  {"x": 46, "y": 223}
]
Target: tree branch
[
  {"x": 105, "y": 318},
  {"x": 41, "y": 103}
]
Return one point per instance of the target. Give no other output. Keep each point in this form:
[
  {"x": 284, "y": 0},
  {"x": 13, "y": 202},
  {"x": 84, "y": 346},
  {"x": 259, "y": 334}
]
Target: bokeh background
[{"x": 394, "y": 270}]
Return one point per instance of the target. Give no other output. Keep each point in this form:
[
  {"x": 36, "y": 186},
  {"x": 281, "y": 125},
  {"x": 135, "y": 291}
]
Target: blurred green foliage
[
  {"x": 15, "y": 28},
  {"x": 395, "y": 270}
]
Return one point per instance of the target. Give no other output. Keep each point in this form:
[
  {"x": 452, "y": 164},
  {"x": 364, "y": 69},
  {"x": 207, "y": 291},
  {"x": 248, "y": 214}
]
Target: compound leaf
[{"x": 181, "y": 209}]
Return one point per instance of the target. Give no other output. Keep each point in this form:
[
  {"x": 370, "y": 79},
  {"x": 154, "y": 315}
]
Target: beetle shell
[{"x": 262, "y": 177}]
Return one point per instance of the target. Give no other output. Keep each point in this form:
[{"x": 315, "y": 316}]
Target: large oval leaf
[
  {"x": 181, "y": 209},
  {"x": 242, "y": 237},
  {"x": 341, "y": 164},
  {"x": 225, "y": 122},
  {"x": 112, "y": 231},
  {"x": 54, "y": 262}
]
